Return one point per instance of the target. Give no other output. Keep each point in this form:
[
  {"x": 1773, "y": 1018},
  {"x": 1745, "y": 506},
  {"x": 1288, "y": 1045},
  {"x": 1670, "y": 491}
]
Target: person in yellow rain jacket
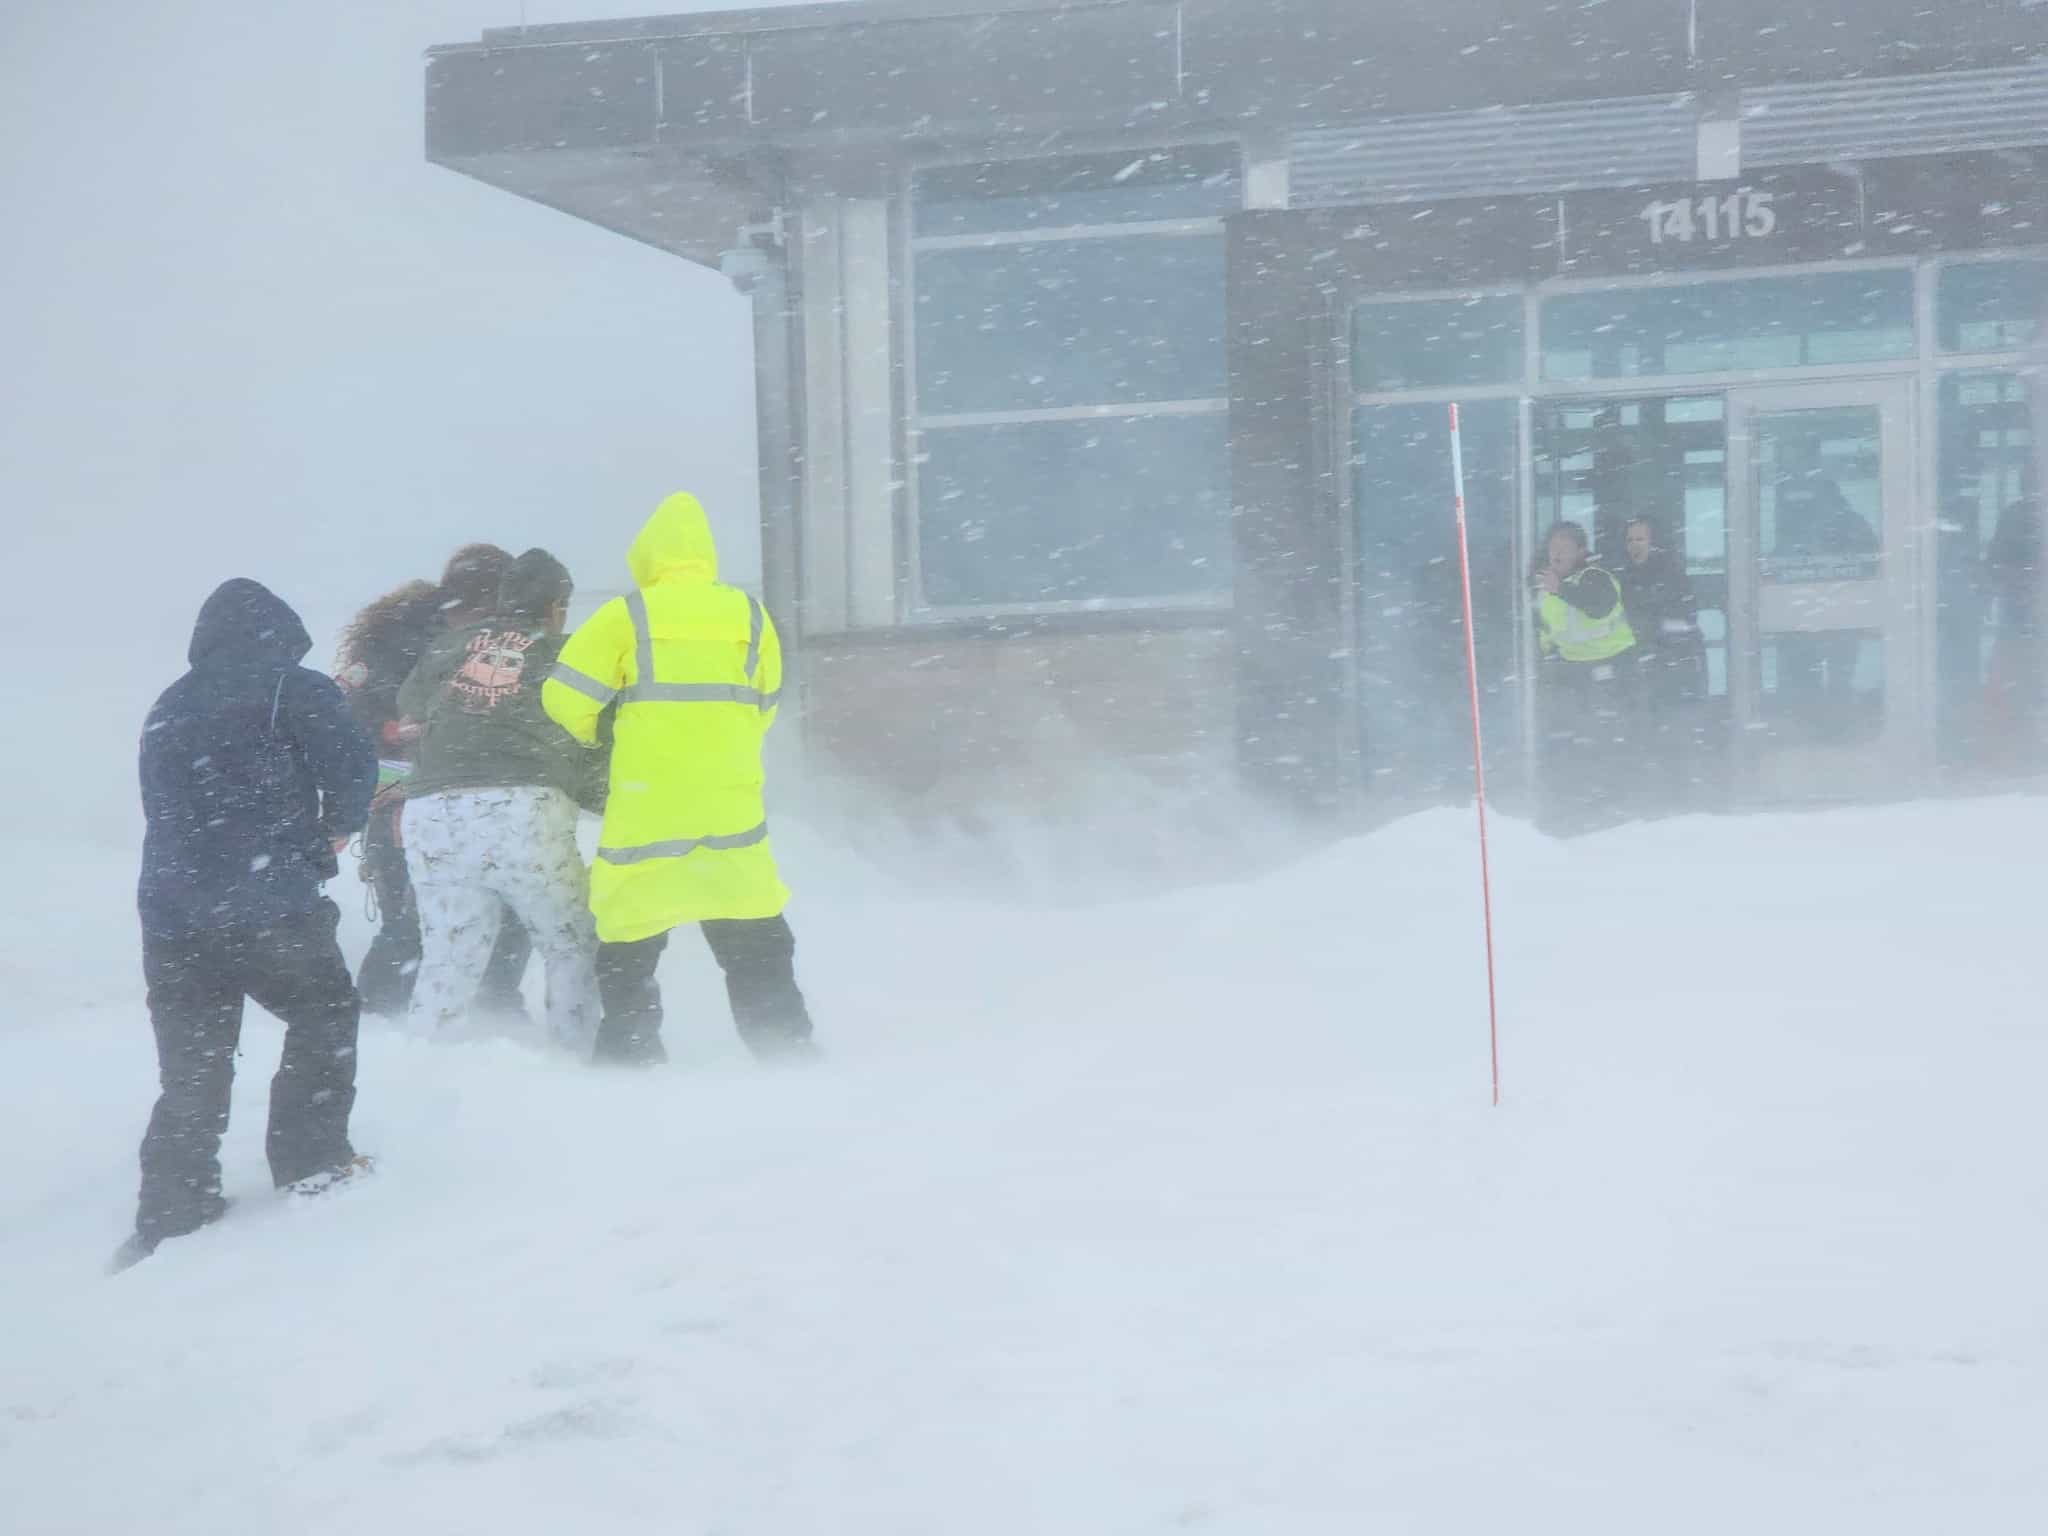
[{"x": 693, "y": 670}]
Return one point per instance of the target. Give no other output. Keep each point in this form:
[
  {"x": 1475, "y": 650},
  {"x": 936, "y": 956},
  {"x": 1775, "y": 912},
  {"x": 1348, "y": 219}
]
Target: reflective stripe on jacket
[
  {"x": 1573, "y": 634},
  {"x": 696, "y": 670}
]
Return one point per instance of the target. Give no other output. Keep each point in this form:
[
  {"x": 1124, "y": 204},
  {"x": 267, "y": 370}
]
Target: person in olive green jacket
[{"x": 490, "y": 815}]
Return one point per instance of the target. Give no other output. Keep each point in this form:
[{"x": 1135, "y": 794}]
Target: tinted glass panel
[
  {"x": 1431, "y": 343},
  {"x": 1990, "y": 684},
  {"x": 1820, "y": 494},
  {"x": 1602, "y": 464},
  {"x": 1074, "y": 322},
  {"x": 1417, "y": 720},
  {"x": 1991, "y": 306},
  {"x": 1199, "y": 182},
  {"x": 1824, "y": 688},
  {"x": 1738, "y": 326},
  {"x": 1073, "y": 511}
]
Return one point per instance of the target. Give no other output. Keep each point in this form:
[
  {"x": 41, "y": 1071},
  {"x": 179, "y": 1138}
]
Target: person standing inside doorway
[
  {"x": 1589, "y": 688},
  {"x": 379, "y": 649},
  {"x": 1664, "y": 616},
  {"x": 693, "y": 669},
  {"x": 253, "y": 778}
]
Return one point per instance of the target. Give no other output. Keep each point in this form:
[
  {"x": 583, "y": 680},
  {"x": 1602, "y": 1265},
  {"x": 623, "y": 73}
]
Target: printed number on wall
[{"x": 1740, "y": 215}]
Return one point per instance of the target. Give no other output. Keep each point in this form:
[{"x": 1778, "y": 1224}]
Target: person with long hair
[
  {"x": 490, "y": 815},
  {"x": 379, "y": 649}
]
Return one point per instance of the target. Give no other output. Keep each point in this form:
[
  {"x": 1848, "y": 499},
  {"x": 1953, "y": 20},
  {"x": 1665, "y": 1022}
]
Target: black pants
[
  {"x": 197, "y": 984},
  {"x": 392, "y": 962},
  {"x": 1677, "y": 761},
  {"x": 758, "y": 956},
  {"x": 1590, "y": 771}
]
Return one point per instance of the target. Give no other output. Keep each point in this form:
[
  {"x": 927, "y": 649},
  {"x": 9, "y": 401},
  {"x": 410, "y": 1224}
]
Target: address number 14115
[{"x": 1741, "y": 215}]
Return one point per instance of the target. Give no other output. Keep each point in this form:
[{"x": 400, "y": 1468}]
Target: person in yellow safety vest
[
  {"x": 1589, "y": 686},
  {"x": 693, "y": 670},
  {"x": 1581, "y": 617}
]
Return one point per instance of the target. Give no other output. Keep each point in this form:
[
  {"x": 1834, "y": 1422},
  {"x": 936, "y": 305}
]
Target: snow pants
[
  {"x": 474, "y": 854},
  {"x": 197, "y": 984},
  {"x": 758, "y": 956},
  {"x": 393, "y": 960}
]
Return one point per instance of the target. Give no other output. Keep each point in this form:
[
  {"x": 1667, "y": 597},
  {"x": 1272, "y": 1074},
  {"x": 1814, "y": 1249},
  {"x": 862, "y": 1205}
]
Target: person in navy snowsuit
[{"x": 253, "y": 773}]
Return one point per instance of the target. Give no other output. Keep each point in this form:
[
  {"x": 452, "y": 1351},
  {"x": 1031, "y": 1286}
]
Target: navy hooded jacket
[{"x": 251, "y": 766}]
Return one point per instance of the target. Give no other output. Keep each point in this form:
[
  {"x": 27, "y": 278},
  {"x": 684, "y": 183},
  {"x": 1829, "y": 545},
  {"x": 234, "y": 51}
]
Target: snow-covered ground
[{"x": 1177, "y": 1213}]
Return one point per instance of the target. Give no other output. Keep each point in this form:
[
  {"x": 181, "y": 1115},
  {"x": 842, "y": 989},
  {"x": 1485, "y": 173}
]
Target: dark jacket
[
  {"x": 251, "y": 765},
  {"x": 1662, "y": 609},
  {"x": 2012, "y": 571},
  {"x": 476, "y": 693}
]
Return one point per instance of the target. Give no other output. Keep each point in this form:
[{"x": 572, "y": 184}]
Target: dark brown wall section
[{"x": 964, "y": 719}]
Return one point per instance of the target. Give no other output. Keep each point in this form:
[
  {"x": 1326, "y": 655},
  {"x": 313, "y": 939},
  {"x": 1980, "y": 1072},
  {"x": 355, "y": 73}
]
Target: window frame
[
  {"x": 1860, "y": 368},
  {"x": 1462, "y": 392},
  {"x": 2036, "y": 255},
  {"x": 917, "y": 606}
]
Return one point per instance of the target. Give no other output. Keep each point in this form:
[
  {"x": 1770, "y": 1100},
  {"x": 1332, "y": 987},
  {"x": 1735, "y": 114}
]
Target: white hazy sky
[
  {"x": 246, "y": 326},
  {"x": 247, "y": 330}
]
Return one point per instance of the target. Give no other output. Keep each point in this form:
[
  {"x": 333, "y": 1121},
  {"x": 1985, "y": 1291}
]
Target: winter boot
[
  {"x": 628, "y": 1048},
  {"x": 140, "y": 1245},
  {"x": 132, "y": 1252},
  {"x": 785, "y": 1051},
  {"x": 355, "y": 1169}
]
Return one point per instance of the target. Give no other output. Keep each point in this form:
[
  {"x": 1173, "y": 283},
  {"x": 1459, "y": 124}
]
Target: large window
[
  {"x": 1738, "y": 325},
  {"x": 1990, "y": 306},
  {"x": 1434, "y": 343},
  {"x": 1109, "y": 509},
  {"x": 1104, "y": 321},
  {"x": 1070, "y": 402}
]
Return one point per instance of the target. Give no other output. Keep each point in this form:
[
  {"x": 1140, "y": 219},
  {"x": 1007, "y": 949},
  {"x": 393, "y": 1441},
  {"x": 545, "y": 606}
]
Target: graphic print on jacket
[
  {"x": 493, "y": 671},
  {"x": 476, "y": 697}
]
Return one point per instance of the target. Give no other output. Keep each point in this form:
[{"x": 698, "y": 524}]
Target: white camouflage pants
[{"x": 474, "y": 852}]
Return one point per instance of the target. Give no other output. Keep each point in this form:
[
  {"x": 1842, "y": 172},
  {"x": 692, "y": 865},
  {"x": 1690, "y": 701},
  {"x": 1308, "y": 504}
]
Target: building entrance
[
  {"x": 1765, "y": 540},
  {"x": 1826, "y": 675},
  {"x": 1815, "y": 485}
]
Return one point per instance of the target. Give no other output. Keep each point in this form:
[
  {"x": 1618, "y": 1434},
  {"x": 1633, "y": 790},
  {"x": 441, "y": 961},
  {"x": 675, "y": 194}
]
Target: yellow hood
[{"x": 675, "y": 541}]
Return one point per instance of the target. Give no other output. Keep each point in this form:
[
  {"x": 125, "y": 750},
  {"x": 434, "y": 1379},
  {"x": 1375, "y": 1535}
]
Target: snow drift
[{"x": 1176, "y": 1213}]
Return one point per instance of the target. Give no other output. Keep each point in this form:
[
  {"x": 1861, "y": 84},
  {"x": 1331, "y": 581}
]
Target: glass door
[{"x": 1824, "y": 656}]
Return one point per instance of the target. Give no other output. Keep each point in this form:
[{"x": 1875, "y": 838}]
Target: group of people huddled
[
  {"x": 463, "y": 733},
  {"x": 1623, "y": 675}
]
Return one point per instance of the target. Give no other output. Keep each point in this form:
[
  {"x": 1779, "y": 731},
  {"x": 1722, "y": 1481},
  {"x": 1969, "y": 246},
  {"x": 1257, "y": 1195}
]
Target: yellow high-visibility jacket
[
  {"x": 696, "y": 669},
  {"x": 1587, "y": 620}
]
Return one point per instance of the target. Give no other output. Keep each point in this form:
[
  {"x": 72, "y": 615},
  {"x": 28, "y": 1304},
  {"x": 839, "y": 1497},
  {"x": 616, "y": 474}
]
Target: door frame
[{"x": 1902, "y": 755}]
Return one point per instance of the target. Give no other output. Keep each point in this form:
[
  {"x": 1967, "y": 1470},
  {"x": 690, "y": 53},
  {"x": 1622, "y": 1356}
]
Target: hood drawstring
[{"x": 275, "y": 698}]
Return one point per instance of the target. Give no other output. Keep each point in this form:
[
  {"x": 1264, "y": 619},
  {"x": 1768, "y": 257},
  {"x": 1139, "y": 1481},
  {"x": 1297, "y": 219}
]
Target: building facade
[{"x": 1104, "y": 353}]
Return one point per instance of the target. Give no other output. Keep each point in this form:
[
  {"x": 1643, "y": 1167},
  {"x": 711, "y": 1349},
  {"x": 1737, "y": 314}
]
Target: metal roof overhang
[{"x": 676, "y": 130}]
